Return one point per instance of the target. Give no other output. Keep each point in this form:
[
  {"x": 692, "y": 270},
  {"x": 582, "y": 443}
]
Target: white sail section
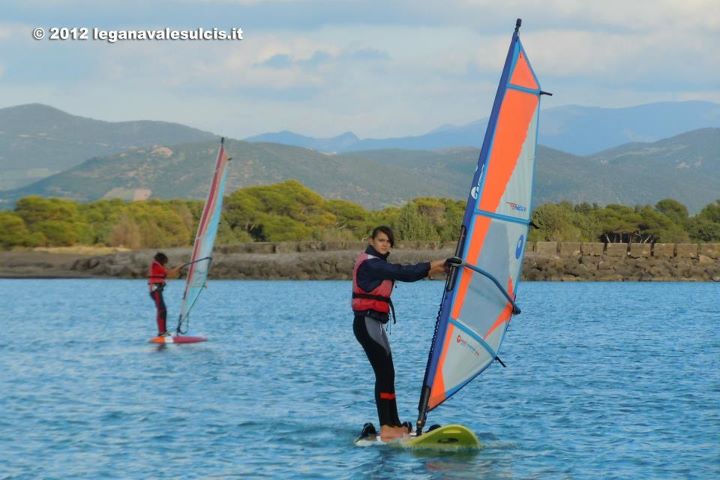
[{"x": 204, "y": 240}]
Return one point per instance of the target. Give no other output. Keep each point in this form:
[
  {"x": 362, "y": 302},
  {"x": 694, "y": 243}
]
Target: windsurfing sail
[
  {"x": 199, "y": 264},
  {"x": 478, "y": 300}
]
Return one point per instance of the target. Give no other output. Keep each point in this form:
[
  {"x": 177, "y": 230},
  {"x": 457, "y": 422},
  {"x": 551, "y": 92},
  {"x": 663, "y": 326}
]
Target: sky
[{"x": 377, "y": 68}]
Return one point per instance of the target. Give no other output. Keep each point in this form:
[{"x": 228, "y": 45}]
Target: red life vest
[
  {"x": 377, "y": 299},
  {"x": 157, "y": 274}
]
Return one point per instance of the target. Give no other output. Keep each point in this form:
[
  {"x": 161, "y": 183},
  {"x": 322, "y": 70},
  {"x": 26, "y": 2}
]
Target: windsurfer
[
  {"x": 373, "y": 280},
  {"x": 156, "y": 281}
]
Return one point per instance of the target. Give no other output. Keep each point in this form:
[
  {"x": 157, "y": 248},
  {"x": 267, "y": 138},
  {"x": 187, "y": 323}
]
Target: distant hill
[
  {"x": 573, "y": 129},
  {"x": 184, "y": 171},
  {"x": 589, "y": 130},
  {"x": 685, "y": 167},
  {"x": 38, "y": 140},
  {"x": 328, "y": 145}
]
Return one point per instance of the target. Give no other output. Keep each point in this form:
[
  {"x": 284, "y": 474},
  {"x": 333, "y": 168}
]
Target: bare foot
[{"x": 391, "y": 433}]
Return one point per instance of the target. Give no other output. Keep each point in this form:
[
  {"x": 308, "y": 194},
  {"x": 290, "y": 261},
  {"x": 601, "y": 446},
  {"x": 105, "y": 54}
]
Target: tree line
[{"x": 289, "y": 211}]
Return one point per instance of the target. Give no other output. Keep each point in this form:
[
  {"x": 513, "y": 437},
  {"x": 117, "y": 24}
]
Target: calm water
[{"x": 604, "y": 380}]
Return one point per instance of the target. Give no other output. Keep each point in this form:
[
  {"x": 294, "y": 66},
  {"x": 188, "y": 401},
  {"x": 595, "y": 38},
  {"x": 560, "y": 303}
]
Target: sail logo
[
  {"x": 465, "y": 344},
  {"x": 517, "y": 207},
  {"x": 519, "y": 246},
  {"x": 475, "y": 191}
]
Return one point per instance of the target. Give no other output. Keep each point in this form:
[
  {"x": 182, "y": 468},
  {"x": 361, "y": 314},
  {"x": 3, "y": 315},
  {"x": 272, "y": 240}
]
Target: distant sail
[
  {"x": 478, "y": 301},
  {"x": 204, "y": 240}
]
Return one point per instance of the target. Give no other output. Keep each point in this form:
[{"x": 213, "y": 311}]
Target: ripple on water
[{"x": 604, "y": 380}]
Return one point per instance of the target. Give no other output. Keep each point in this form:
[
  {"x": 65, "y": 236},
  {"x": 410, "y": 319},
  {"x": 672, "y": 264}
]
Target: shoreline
[{"x": 545, "y": 261}]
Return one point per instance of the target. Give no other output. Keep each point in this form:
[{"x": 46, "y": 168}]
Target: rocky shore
[{"x": 568, "y": 261}]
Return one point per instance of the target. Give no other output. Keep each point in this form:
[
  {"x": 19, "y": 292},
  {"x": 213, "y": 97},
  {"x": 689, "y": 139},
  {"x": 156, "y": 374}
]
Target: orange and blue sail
[
  {"x": 479, "y": 297},
  {"x": 201, "y": 259}
]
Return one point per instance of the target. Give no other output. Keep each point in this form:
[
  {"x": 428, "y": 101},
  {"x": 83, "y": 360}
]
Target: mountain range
[
  {"x": 685, "y": 167},
  {"x": 573, "y": 129},
  {"x": 37, "y": 140}
]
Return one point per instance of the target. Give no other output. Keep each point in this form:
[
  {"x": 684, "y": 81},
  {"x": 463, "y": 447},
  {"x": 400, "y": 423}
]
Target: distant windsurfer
[
  {"x": 156, "y": 281},
  {"x": 373, "y": 281}
]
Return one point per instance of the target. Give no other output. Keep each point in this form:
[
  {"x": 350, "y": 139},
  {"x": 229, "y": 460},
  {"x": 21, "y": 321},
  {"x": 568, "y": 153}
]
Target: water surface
[{"x": 604, "y": 380}]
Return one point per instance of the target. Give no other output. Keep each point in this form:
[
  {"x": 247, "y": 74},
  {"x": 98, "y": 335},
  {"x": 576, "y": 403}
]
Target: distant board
[
  {"x": 447, "y": 437},
  {"x": 178, "y": 339}
]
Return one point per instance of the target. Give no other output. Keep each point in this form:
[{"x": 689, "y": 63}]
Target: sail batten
[
  {"x": 478, "y": 300},
  {"x": 201, "y": 258}
]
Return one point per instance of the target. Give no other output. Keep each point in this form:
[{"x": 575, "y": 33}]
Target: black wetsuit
[{"x": 369, "y": 330}]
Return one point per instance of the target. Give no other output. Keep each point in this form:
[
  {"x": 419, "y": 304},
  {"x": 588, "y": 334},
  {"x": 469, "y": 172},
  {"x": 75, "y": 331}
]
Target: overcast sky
[{"x": 377, "y": 68}]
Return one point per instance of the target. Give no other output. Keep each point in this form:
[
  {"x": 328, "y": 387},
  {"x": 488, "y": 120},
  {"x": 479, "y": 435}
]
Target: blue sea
[{"x": 603, "y": 380}]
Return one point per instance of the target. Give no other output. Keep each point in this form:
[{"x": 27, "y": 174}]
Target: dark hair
[
  {"x": 387, "y": 231},
  {"x": 161, "y": 258}
]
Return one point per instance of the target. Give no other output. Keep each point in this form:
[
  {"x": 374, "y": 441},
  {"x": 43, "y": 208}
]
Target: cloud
[
  {"x": 376, "y": 67},
  {"x": 303, "y": 15},
  {"x": 7, "y": 31},
  {"x": 324, "y": 57},
  {"x": 318, "y": 58},
  {"x": 281, "y": 60},
  {"x": 366, "y": 54}
]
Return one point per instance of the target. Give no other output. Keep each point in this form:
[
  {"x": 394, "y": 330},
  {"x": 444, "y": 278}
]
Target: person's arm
[
  {"x": 380, "y": 270},
  {"x": 174, "y": 272}
]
